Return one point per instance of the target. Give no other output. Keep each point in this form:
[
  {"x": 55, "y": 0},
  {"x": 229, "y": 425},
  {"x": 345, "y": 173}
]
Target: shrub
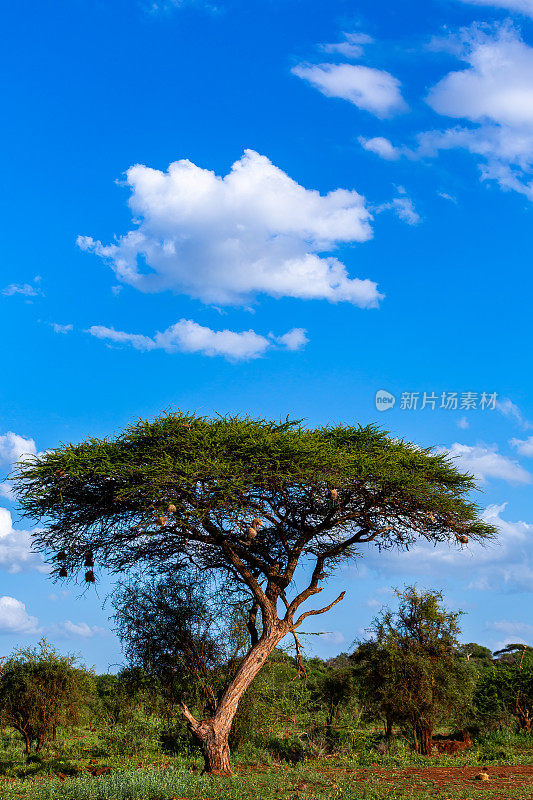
[{"x": 39, "y": 690}]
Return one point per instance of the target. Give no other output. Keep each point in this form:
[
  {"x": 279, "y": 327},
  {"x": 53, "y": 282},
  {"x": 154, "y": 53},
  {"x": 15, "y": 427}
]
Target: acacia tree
[{"x": 249, "y": 500}]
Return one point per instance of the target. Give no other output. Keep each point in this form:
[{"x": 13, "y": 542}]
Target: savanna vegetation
[
  {"x": 307, "y": 728},
  {"x": 219, "y": 532}
]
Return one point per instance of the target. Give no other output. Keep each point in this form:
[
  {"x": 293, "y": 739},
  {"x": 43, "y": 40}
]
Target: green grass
[{"x": 139, "y": 770}]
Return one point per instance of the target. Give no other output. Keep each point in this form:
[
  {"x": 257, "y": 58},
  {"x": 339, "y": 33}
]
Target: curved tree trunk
[{"x": 213, "y": 734}]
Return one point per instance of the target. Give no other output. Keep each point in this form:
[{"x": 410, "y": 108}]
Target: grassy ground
[{"x": 85, "y": 765}]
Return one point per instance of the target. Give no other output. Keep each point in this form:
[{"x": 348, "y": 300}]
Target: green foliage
[
  {"x": 41, "y": 689},
  {"x": 410, "y": 673},
  {"x": 184, "y": 633},
  {"x": 109, "y": 496},
  {"x": 504, "y": 692}
]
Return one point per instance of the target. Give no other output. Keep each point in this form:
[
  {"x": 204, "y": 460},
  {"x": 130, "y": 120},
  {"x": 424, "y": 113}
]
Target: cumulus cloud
[
  {"x": 16, "y": 554},
  {"x": 351, "y": 46},
  {"x": 294, "y": 339},
  {"x": 227, "y": 239},
  {"x": 381, "y": 147},
  {"x": 494, "y": 95},
  {"x": 503, "y": 564},
  {"x": 13, "y": 448},
  {"x": 369, "y": 89},
  {"x": 14, "y": 618},
  {"x": 520, "y": 6},
  {"x": 187, "y": 336},
  {"x": 485, "y": 462},
  {"x": 81, "y": 629},
  {"x": 62, "y": 328}
]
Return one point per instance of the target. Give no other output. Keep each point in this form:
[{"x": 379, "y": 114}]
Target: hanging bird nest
[
  {"x": 63, "y": 572},
  {"x": 256, "y": 523},
  {"x": 89, "y": 576},
  {"x": 252, "y": 533},
  {"x": 333, "y": 493},
  {"x": 172, "y": 508},
  {"x": 163, "y": 521},
  {"x": 61, "y": 556},
  {"x": 89, "y": 560},
  {"x": 463, "y": 539}
]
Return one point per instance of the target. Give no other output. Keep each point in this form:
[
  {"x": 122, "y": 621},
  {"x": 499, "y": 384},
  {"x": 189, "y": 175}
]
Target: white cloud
[
  {"x": 446, "y": 196},
  {"x": 81, "y": 629},
  {"x": 520, "y": 6},
  {"x": 13, "y": 448},
  {"x": 495, "y": 95},
  {"x": 15, "y": 548},
  {"x": 369, "y": 89},
  {"x": 510, "y": 628},
  {"x": 226, "y": 239},
  {"x": 187, "y": 336},
  {"x": 403, "y": 208},
  {"x": 351, "y": 46},
  {"x": 14, "y": 618},
  {"x": 62, "y": 328},
  {"x": 524, "y": 446},
  {"x": 484, "y": 462},
  {"x": 512, "y": 411},
  {"x": 293, "y": 340},
  {"x": 381, "y": 147},
  {"x": 498, "y": 83},
  {"x": 505, "y": 563},
  {"x": 25, "y": 289},
  {"x": 463, "y": 423}
]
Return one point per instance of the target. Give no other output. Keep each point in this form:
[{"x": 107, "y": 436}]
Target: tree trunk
[
  {"x": 215, "y": 748},
  {"x": 423, "y": 736},
  {"x": 388, "y": 727},
  {"x": 213, "y": 734},
  {"x": 26, "y": 737}
]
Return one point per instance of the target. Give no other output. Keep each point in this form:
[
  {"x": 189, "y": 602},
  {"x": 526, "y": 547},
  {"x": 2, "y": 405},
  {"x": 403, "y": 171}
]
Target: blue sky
[{"x": 272, "y": 207}]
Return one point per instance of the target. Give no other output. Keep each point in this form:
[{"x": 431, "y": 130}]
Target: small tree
[
  {"x": 412, "y": 662},
  {"x": 182, "y": 630},
  {"x": 39, "y": 690},
  {"x": 247, "y": 500}
]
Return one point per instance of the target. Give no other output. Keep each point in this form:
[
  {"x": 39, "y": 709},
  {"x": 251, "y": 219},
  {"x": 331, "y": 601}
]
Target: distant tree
[
  {"x": 476, "y": 652},
  {"x": 375, "y": 677},
  {"x": 39, "y": 690},
  {"x": 336, "y": 691},
  {"x": 512, "y": 653},
  {"x": 504, "y": 691},
  {"x": 412, "y": 661},
  {"x": 248, "y": 501}
]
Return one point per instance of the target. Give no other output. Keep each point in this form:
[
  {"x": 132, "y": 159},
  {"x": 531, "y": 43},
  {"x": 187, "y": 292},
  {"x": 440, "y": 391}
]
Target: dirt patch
[{"x": 499, "y": 777}]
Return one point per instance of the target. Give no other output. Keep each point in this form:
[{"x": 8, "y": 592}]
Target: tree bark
[
  {"x": 423, "y": 737},
  {"x": 213, "y": 734}
]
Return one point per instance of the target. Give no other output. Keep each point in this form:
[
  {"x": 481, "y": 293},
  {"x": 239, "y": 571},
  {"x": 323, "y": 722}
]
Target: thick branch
[
  {"x": 194, "y": 724},
  {"x": 318, "y": 611}
]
